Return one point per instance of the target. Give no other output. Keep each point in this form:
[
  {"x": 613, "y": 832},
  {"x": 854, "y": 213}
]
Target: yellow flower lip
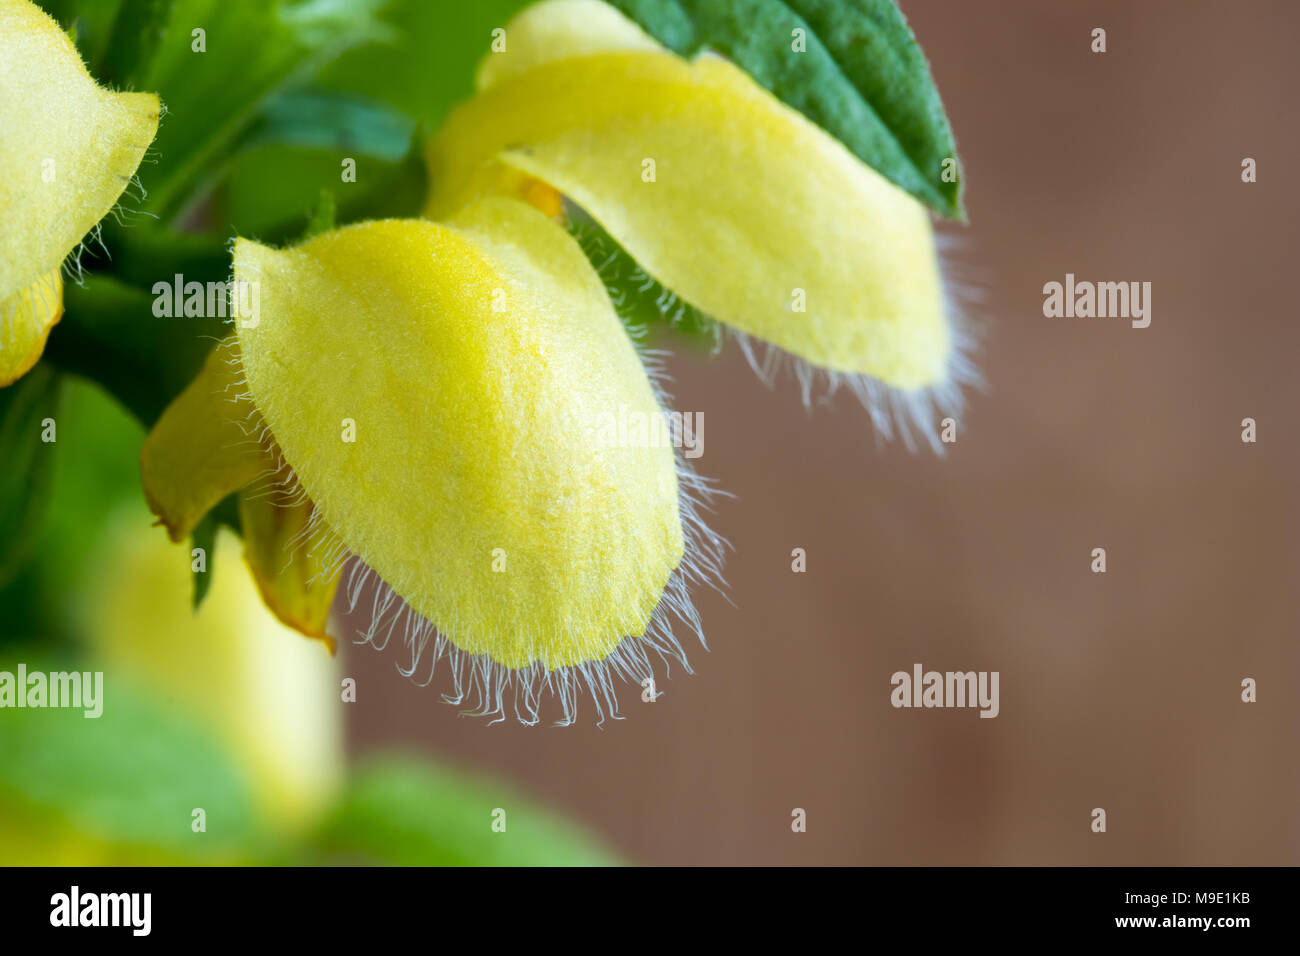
[
  {"x": 726, "y": 196},
  {"x": 26, "y": 318},
  {"x": 201, "y": 449},
  {"x": 207, "y": 445},
  {"x": 436, "y": 389},
  {"x": 68, "y": 149}
]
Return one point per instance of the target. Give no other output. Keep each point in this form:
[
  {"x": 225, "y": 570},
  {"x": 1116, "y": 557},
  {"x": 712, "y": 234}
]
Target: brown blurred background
[{"x": 1119, "y": 690}]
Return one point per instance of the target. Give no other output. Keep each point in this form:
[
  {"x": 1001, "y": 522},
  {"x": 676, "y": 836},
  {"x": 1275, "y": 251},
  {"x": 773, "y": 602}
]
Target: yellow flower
[
  {"x": 436, "y": 395},
  {"x": 726, "y": 196},
  {"x": 68, "y": 149}
]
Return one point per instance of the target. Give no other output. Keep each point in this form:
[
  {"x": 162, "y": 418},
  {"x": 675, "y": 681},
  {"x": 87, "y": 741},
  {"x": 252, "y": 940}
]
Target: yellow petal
[
  {"x": 470, "y": 364},
  {"x": 755, "y": 215},
  {"x": 26, "y": 318},
  {"x": 204, "y": 447},
  {"x": 291, "y": 559},
  {"x": 68, "y": 148},
  {"x": 558, "y": 30}
]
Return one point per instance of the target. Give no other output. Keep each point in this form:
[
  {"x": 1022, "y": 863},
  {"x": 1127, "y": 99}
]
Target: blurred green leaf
[
  {"x": 315, "y": 131},
  {"x": 334, "y": 121},
  {"x": 322, "y": 217},
  {"x": 110, "y": 335},
  {"x": 275, "y": 191},
  {"x": 143, "y": 256},
  {"x": 250, "y": 49},
  {"x": 137, "y": 31},
  {"x": 225, "y": 513},
  {"x": 132, "y": 776},
  {"x": 402, "y": 811},
  {"x": 26, "y": 478},
  {"x": 95, "y": 469},
  {"x": 90, "y": 21},
  {"x": 205, "y": 537},
  {"x": 428, "y": 64}
]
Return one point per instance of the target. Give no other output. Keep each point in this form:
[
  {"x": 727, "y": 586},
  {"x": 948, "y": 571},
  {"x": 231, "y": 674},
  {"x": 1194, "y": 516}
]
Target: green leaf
[
  {"x": 129, "y": 778},
  {"x": 96, "y": 472},
  {"x": 89, "y": 23},
  {"x": 862, "y": 78},
  {"x": 319, "y": 125},
  {"x": 251, "y": 49},
  {"x": 428, "y": 67},
  {"x": 404, "y": 812},
  {"x": 224, "y": 514},
  {"x": 110, "y": 335},
  {"x": 323, "y": 120},
  {"x": 143, "y": 256},
  {"x": 205, "y": 537},
  {"x": 26, "y": 479},
  {"x": 274, "y": 191}
]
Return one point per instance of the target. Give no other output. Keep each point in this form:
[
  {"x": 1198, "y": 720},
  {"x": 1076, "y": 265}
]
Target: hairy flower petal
[
  {"x": 753, "y": 214},
  {"x": 203, "y": 448},
  {"x": 288, "y": 553},
  {"x": 437, "y": 390},
  {"x": 208, "y": 444},
  {"x": 68, "y": 148}
]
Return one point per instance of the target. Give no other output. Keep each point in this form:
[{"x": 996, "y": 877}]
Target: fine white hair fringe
[
  {"x": 123, "y": 212},
  {"x": 488, "y": 688},
  {"x": 907, "y": 413},
  {"x": 484, "y": 686},
  {"x": 72, "y": 267}
]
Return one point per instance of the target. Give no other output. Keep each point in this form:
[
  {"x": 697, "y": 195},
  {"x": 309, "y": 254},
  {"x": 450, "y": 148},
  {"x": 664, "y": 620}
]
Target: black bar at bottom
[{"x": 334, "y": 905}]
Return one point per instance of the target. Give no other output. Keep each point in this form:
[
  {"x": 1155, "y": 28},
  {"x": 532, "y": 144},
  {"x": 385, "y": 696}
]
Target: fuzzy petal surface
[
  {"x": 68, "y": 148},
  {"x": 295, "y": 571},
  {"x": 26, "y": 318},
  {"x": 438, "y": 391},
  {"x": 203, "y": 447},
  {"x": 750, "y": 212}
]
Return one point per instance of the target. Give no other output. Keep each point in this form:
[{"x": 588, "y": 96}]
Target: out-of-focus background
[{"x": 1119, "y": 690}]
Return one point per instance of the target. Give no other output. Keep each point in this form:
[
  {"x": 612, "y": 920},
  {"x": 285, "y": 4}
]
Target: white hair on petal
[
  {"x": 490, "y": 689},
  {"x": 892, "y": 410},
  {"x": 483, "y": 685},
  {"x": 123, "y": 213}
]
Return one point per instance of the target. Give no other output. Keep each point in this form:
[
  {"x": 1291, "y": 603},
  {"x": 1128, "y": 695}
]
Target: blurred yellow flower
[
  {"x": 68, "y": 149},
  {"x": 271, "y": 697}
]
